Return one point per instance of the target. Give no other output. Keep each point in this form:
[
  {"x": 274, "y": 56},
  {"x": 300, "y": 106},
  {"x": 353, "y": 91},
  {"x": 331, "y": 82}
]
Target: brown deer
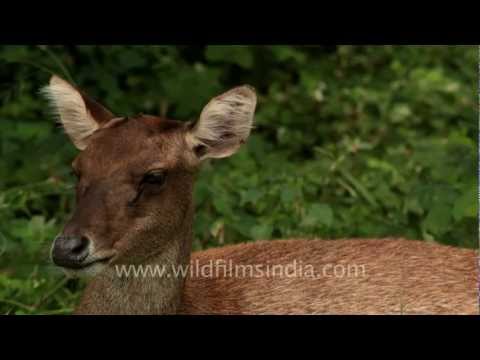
[{"x": 135, "y": 208}]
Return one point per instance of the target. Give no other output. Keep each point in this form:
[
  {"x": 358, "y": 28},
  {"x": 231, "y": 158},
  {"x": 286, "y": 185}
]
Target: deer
[{"x": 134, "y": 206}]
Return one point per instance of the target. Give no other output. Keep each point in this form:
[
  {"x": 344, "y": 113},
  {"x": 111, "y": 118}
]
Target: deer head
[{"x": 135, "y": 176}]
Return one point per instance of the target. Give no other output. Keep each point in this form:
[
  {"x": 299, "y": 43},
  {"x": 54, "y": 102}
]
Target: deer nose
[{"x": 70, "y": 251}]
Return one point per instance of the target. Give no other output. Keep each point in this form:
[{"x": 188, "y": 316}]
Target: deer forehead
[{"x": 133, "y": 145}]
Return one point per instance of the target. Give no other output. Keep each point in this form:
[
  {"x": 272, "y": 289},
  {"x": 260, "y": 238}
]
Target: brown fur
[
  {"x": 401, "y": 277},
  {"x": 154, "y": 226}
]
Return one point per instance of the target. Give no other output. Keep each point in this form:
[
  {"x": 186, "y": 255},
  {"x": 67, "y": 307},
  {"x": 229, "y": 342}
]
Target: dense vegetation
[{"x": 350, "y": 141}]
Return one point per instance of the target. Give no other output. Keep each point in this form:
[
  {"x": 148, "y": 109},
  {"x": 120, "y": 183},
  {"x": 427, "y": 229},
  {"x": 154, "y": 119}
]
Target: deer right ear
[
  {"x": 80, "y": 115},
  {"x": 224, "y": 124}
]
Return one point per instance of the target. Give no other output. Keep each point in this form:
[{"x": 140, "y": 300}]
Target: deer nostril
[{"x": 81, "y": 246}]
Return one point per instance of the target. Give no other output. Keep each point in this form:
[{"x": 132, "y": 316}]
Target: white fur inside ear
[
  {"x": 225, "y": 122},
  {"x": 68, "y": 106}
]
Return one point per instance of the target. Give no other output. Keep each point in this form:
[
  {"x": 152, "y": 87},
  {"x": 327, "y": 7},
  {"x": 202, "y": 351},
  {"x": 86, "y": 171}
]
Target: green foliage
[{"x": 350, "y": 141}]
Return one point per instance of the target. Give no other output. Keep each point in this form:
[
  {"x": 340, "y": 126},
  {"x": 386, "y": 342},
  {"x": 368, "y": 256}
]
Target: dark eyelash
[{"x": 153, "y": 178}]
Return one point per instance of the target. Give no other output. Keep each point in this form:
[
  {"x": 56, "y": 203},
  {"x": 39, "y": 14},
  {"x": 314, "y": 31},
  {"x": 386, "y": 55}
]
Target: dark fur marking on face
[{"x": 200, "y": 150}]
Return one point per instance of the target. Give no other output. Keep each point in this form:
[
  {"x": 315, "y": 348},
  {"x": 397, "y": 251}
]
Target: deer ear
[
  {"x": 224, "y": 124},
  {"x": 80, "y": 115}
]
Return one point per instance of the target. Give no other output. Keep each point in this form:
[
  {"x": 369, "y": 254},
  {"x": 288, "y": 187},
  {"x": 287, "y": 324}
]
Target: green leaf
[
  {"x": 359, "y": 187},
  {"x": 467, "y": 204},
  {"x": 289, "y": 194},
  {"x": 262, "y": 231},
  {"x": 439, "y": 219},
  {"x": 240, "y": 55},
  {"x": 400, "y": 113},
  {"x": 251, "y": 196},
  {"x": 222, "y": 203},
  {"x": 318, "y": 214}
]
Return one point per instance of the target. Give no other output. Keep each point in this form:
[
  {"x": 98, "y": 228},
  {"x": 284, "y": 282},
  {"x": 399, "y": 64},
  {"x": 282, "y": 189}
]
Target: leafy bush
[{"x": 350, "y": 141}]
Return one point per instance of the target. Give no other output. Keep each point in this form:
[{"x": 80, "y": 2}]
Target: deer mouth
[
  {"x": 88, "y": 268},
  {"x": 97, "y": 258},
  {"x": 87, "y": 265},
  {"x": 104, "y": 260}
]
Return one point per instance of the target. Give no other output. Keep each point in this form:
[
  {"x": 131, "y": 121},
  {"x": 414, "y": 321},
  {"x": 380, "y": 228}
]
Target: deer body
[
  {"x": 135, "y": 208},
  {"x": 400, "y": 277}
]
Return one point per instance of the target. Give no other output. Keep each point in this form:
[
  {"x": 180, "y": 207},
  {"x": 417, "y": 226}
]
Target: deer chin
[
  {"x": 91, "y": 268},
  {"x": 88, "y": 271}
]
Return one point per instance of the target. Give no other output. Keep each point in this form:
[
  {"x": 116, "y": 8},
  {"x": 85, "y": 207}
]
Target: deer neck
[{"x": 158, "y": 291}]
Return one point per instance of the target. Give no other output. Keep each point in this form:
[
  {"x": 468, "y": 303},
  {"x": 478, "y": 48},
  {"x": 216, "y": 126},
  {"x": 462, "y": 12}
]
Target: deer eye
[{"x": 155, "y": 177}]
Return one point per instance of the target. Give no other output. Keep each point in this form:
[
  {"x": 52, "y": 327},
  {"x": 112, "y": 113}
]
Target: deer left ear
[
  {"x": 79, "y": 114},
  {"x": 224, "y": 124}
]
